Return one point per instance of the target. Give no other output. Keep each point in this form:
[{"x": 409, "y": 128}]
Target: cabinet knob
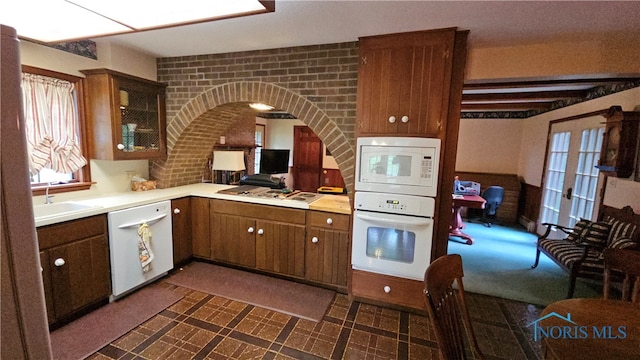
[
  {"x": 260, "y": 231},
  {"x": 250, "y": 230},
  {"x": 405, "y": 119},
  {"x": 120, "y": 147},
  {"x": 329, "y": 221},
  {"x": 387, "y": 289},
  {"x": 314, "y": 239},
  {"x": 392, "y": 119},
  {"x": 176, "y": 211},
  {"x": 59, "y": 262}
]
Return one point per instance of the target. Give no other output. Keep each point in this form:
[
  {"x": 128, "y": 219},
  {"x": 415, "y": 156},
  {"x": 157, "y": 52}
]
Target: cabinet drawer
[
  {"x": 263, "y": 212},
  {"x": 403, "y": 292},
  {"x": 69, "y": 231},
  {"x": 328, "y": 220}
]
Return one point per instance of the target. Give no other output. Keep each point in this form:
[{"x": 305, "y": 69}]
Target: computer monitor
[{"x": 274, "y": 161}]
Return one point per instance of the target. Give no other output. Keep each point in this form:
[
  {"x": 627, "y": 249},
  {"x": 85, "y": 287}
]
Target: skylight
[{"x": 51, "y": 21}]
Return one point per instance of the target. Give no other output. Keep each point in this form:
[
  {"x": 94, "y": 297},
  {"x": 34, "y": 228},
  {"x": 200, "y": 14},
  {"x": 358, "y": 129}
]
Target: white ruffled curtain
[{"x": 51, "y": 123}]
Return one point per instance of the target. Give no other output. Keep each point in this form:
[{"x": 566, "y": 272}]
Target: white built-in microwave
[{"x": 398, "y": 165}]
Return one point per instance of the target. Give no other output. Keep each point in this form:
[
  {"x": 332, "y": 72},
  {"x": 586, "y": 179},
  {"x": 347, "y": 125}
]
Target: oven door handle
[{"x": 417, "y": 222}]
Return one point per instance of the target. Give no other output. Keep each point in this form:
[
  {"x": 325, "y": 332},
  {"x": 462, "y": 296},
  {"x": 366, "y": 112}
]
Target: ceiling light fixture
[
  {"x": 52, "y": 21},
  {"x": 261, "y": 107}
]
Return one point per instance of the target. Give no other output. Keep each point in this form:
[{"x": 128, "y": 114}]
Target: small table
[
  {"x": 607, "y": 316},
  {"x": 455, "y": 223}
]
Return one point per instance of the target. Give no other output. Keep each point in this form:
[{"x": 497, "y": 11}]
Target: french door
[{"x": 572, "y": 183}]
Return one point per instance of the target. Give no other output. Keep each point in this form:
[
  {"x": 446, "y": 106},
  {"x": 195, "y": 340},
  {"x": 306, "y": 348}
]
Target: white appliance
[
  {"x": 392, "y": 234},
  {"x": 399, "y": 165},
  {"x": 126, "y": 267}
]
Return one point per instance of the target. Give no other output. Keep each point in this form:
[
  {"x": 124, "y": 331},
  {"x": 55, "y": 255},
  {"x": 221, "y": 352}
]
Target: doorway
[
  {"x": 307, "y": 159},
  {"x": 572, "y": 184}
]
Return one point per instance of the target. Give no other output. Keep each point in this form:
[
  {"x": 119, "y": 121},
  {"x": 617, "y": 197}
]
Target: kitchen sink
[{"x": 60, "y": 209}]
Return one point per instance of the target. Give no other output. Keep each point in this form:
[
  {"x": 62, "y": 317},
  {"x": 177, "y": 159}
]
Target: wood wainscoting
[
  {"x": 530, "y": 200},
  {"x": 508, "y": 211}
]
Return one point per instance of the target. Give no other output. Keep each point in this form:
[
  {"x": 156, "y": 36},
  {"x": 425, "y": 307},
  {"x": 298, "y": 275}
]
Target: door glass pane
[
  {"x": 555, "y": 176},
  {"x": 139, "y": 116},
  {"x": 391, "y": 244},
  {"x": 585, "y": 185}
]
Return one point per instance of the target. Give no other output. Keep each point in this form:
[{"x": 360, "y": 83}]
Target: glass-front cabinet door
[
  {"x": 139, "y": 109},
  {"x": 129, "y": 109}
]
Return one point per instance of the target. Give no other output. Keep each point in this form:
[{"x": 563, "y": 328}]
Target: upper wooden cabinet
[
  {"x": 620, "y": 142},
  {"x": 125, "y": 115},
  {"x": 404, "y": 81}
]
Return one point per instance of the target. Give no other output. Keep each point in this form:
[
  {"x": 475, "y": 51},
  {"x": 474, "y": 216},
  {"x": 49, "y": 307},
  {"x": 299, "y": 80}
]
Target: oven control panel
[
  {"x": 392, "y": 205},
  {"x": 395, "y": 203}
]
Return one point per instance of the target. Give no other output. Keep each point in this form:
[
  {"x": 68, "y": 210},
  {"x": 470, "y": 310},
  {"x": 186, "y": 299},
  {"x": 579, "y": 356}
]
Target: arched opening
[{"x": 192, "y": 132}]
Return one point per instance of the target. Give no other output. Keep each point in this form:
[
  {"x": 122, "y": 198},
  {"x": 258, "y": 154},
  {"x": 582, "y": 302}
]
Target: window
[
  {"x": 259, "y": 145},
  {"x": 63, "y": 103}
]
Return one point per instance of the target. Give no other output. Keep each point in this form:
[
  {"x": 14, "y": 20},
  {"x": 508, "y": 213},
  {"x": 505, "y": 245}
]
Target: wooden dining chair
[
  {"x": 447, "y": 308},
  {"x": 627, "y": 262}
]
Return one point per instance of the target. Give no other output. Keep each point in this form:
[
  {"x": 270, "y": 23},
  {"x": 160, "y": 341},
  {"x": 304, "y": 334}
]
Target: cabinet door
[
  {"x": 403, "y": 83},
  {"x": 233, "y": 239},
  {"x": 280, "y": 248},
  {"x": 46, "y": 282},
  {"x": 327, "y": 256},
  {"x": 200, "y": 236},
  {"x": 139, "y": 123},
  {"x": 181, "y": 221},
  {"x": 79, "y": 274}
]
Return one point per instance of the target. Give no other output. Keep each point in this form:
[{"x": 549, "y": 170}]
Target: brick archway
[{"x": 209, "y": 114}]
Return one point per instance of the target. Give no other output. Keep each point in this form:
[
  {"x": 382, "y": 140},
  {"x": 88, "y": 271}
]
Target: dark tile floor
[{"x": 203, "y": 326}]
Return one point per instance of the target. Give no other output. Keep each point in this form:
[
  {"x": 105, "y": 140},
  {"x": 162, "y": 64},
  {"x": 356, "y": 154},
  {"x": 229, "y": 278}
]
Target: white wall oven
[
  {"x": 396, "y": 185},
  {"x": 392, "y": 234},
  {"x": 399, "y": 165}
]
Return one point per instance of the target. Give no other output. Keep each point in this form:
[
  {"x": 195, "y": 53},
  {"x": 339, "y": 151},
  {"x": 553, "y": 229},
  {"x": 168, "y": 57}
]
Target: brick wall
[{"x": 208, "y": 94}]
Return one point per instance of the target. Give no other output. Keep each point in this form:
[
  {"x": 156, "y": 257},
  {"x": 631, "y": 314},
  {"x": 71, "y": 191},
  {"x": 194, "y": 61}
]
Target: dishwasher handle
[{"x": 138, "y": 223}]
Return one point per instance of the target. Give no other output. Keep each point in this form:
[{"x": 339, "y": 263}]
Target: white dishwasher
[{"x": 141, "y": 246}]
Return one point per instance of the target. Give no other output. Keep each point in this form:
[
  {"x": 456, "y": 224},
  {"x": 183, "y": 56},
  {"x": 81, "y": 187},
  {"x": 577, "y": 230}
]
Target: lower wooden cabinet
[
  {"x": 75, "y": 266},
  {"x": 181, "y": 230},
  {"x": 387, "y": 289},
  {"x": 280, "y": 248},
  {"x": 263, "y": 237},
  {"x": 200, "y": 234},
  {"x": 233, "y": 239},
  {"x": 303, "y": 244},
  {"x": 327, "y": 255}
]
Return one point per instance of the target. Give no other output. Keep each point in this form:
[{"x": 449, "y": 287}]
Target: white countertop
[{"x": 118, "y": 201}]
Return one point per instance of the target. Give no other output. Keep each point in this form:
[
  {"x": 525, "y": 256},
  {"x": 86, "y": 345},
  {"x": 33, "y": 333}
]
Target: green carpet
[{"x": 499, "y": 264}]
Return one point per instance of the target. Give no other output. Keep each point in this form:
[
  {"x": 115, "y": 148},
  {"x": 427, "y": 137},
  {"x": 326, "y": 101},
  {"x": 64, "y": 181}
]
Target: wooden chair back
[
  {"x": 627, "y": 262},
  {"x": 447, "y": 307}
]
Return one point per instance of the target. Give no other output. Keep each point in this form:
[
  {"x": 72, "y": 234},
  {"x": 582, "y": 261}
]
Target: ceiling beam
[
  {"x": 506, "y": 106},
  {"x": 525, "y": 96}
]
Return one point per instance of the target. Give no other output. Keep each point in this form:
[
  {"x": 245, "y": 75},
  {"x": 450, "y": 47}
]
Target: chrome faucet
[{"x": 47, "y": 197}]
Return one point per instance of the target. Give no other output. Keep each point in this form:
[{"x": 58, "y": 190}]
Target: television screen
[{"x": 274, "y": 161}]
